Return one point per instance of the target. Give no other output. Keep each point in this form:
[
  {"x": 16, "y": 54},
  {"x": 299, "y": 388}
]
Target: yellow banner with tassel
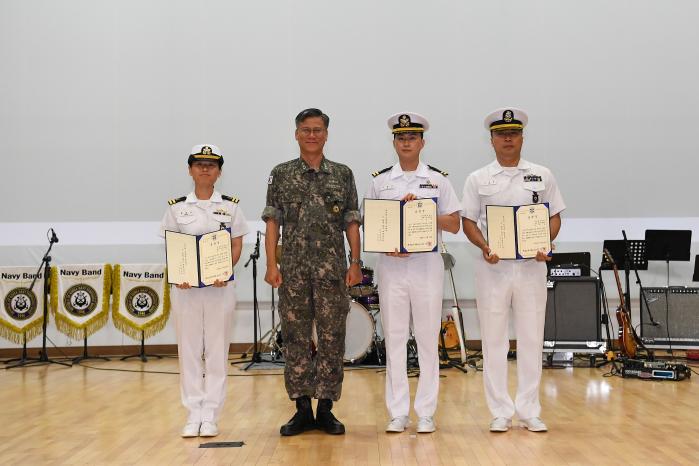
[
  {"x": 140, "y": 299},
  {"x": 22, "y": 313},
  {"x": 80, "y": 298}
]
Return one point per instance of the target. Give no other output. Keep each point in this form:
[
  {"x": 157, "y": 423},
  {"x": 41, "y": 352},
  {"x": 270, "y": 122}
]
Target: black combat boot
[
  {"x": 302, "y": 420},
  {"x": 326, "y": 420}
]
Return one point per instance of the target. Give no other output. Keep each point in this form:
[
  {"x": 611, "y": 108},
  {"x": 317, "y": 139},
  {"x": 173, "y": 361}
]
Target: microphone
[{"x": 53, "y": 238}]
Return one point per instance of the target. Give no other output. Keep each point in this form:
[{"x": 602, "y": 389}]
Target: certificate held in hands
[
  {"x": 518, "y": 232},
  {"x": 199, "y": 260},
  {"x": 406, "y": 226}
]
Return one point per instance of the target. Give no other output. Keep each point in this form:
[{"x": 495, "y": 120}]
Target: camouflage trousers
[{"x": 301, "y": 301}]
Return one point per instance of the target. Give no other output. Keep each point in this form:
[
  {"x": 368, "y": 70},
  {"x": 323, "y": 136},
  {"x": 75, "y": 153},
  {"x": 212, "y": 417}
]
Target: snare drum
[{"x": 357, "y": 291}]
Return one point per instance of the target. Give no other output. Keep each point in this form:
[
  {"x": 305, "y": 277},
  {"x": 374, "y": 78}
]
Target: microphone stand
[
  {"x": 255, "y": 358},
  {"x": 43, "y": 356},
  {"x": 628, "y": 264}
]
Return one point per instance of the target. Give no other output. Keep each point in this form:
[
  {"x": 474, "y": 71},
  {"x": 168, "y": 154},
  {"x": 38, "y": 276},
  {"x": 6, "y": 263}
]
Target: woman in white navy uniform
[
  {"x": 502, "y": 285},
  {"x": 203, "y": 316},
  {"x": 412, "y": 284}
]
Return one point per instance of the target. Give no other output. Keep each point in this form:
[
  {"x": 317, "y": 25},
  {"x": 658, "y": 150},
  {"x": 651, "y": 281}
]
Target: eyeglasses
[
  {"x": 313, "y": 131},
  {"x": 510, "y": 134},
  {"x": 204, "y": 165}
]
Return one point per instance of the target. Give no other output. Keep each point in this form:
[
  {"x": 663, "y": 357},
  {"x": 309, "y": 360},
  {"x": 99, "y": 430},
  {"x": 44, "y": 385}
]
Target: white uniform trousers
[
  {"x": 520, "y": 286},
  {"x": 203, "y": 320},
  {"x": 411, "y": 286}
]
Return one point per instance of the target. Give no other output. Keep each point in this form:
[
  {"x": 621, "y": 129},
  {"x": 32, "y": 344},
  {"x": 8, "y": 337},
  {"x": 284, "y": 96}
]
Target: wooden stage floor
[{"x": 81, "y": 415}]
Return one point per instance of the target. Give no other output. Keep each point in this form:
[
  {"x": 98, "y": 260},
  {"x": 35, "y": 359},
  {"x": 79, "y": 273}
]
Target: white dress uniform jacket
[
  {"x": 203, "y": 316},
  {"x": 412, "y": 287},
  {"x": 519, "y": 285}
]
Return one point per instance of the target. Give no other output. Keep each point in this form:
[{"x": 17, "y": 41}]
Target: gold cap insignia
[
  {"x": 206, "y": 150},
  {"x": 404, "y": 121},
  {"x": 507, "y": 116}
]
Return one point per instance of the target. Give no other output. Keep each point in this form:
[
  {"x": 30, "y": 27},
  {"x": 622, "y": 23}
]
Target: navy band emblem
[
  {"x": 80, "y": 300},
  {"x": 142, "y": 301},
  {"x": 20, "y": 303}
]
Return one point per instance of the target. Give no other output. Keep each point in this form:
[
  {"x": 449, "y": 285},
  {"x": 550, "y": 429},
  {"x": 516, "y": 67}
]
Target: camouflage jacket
[{"x": 313, "y": 208}]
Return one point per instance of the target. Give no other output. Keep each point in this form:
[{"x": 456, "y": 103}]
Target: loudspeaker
[
  {"x": 676, "y": 309},
  {"x": 573, "y": 310}
]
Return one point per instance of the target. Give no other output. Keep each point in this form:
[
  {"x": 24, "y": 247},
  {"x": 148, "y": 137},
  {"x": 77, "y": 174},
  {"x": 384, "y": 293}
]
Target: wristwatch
[{"x": 354, "y": 261}]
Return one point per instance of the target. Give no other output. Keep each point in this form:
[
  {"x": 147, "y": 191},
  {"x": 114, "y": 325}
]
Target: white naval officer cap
[
  {"x": 405, "y": 122},
  {"x": 506, "y": 118},
  {"x": 205, "y": 152}
]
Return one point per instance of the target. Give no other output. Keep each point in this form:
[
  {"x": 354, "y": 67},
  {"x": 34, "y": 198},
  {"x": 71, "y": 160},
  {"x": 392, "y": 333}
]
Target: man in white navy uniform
[
  {"x": 502, "y": 285},
  {"x": 203, "y": 316},
  {"x": 412, "y": 284}
]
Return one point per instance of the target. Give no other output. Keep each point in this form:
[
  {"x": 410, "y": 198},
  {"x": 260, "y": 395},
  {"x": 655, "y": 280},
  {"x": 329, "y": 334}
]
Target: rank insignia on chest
[{"x": 532, "y": 178}]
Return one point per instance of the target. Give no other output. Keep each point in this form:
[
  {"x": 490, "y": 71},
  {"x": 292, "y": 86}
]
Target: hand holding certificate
[
  {"x": 405, "y": 226},
  {"x": 199, "y": 260},
  {"x": 518, "y": 232}
]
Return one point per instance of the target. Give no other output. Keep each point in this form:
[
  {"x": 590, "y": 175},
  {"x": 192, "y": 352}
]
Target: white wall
[{"x": 101, "y": 101}]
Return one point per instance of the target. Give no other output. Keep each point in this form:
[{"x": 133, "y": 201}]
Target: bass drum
[{"x": 359, "y": 337}]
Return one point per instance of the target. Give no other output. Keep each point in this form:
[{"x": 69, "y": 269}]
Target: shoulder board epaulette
[
  {"x": 375, "y": 174},
  {"x": 234, "y": 200},
  {"x": 438, "y": 170},
  {"x": 176, "y": 200}
]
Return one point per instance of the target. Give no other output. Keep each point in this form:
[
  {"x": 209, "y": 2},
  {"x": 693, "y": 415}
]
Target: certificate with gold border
[
  {"x": 199, "y": 260},
  {"x": 405, "y": 226},
  {"x": 518, "y": 232}
]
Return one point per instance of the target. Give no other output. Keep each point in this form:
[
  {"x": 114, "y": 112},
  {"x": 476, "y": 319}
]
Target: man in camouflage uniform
[{"x": 314, "y": 200}]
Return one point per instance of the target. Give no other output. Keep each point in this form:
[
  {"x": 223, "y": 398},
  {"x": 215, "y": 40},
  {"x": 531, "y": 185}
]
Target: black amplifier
[
  {"x": 655, "y": 370},
  {"x": 676, "y": 311}
]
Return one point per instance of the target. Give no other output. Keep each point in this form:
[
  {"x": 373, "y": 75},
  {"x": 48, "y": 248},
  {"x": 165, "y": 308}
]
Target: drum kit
[
  {"x": 364, "y": 336},
  {"x": 364, "y": 341}
]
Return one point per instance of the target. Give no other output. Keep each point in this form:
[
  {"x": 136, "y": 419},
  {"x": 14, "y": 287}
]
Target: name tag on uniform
[
  {"x": 222, "y": 217},
  {"x": 385, "y": 187},
  {"x": 531, "y": 178},
  {"x": 429, "y": 186}
]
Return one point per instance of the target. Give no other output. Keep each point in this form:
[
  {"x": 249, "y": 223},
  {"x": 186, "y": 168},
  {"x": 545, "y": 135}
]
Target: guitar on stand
[{"x": 628, "y": 340}]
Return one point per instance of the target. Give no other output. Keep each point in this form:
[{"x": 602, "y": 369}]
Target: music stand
[
  {"x": 617, "y": 249},
  {"x": 695, "y": 278},
  {"x": 668, "y": 245}
]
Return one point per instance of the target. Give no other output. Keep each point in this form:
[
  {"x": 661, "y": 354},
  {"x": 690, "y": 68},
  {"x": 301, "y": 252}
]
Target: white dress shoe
[
  {"x": 500, "y": 424},
  {"x": 191, "y": 429},
  {"x": 425, "y": 425},
  {"x": 534, "y": 424},
  {"x": 208, "y": 429},
  {"x": 398, "y": 424}
]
